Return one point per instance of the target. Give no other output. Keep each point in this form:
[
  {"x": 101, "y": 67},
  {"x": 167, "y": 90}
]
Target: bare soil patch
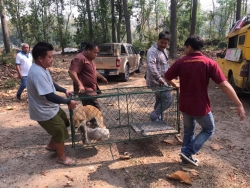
[{"x": 24, "y": 162}]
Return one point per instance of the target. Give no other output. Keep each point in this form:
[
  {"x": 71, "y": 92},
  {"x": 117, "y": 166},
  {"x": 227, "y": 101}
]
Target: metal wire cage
[{"x": 126, "y": 113}]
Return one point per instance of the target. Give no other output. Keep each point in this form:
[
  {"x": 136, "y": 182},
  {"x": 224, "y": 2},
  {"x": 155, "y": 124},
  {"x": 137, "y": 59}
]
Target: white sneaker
[
  {"x": 158, "y": 119},
  {"x": 189, "y": 159}
]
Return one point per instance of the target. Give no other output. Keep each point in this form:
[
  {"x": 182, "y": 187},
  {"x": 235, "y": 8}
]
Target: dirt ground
[{"x": 24, "y": 162}]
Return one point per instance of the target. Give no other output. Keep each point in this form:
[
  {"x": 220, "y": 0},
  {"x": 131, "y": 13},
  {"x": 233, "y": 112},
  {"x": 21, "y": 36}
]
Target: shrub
[
  {"x": 222, "y": 45},
  {"x": 9, "y": 83},
  {"x": 8, "y": 58}
]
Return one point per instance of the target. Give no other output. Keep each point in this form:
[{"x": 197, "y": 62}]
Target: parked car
[
  {"x": 118, "y": 59},
  {"x": 70, "y": 50}
]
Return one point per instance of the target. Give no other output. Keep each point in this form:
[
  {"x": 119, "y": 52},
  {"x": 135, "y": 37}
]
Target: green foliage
[
  {"x": 223, "y": 16},
  {"x": 56, "y": 22},
  {"x": 7, "y": 58},
  {"x": 222, "y": 45},
  {"x": 9, "y": 83},
  {"x": 56, "y": 63},
  {"x": 213, "y": 42},
  {"x": 139, "y": 46}
]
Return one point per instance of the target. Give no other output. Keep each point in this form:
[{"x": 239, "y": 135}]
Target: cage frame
[{"x": 90, "y": 95}]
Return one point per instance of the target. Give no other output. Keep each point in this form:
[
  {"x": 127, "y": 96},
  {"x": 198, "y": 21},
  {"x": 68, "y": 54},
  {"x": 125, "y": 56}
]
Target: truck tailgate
[{"x": 105, "y": 63}]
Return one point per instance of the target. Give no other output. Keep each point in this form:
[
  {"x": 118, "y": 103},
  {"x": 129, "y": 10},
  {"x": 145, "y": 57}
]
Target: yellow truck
[{"x": 234, "y": 61}]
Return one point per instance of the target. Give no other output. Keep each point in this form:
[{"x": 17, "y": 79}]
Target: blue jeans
[
  {"x": 163, "y": 101},
  {"x": 23, "y": 85},
  {"x": 192, "y": 144}
]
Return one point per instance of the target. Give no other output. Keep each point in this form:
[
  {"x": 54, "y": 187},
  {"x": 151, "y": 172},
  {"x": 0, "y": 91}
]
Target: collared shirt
[
  {"x": 157, "y": 65},
  {"x": 86, "y": 71},
  {"x": 24, "y": 61},
  {"x": 194, "y": 71}
]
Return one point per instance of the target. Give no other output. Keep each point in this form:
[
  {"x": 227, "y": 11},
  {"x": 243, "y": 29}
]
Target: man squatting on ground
[
  {"x": 44, "y": 103},
  {"x": 23, "y": 64},
  {"x": 157, "y": 65},
  {"x": 194, "y": 71}
]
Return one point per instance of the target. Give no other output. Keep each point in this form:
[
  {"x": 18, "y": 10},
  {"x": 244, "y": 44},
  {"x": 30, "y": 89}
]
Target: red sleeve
[
  {"x": 216, "y": 74},
  {"x": 172, "y": 72},
  {"x": 76, "y": 65}
]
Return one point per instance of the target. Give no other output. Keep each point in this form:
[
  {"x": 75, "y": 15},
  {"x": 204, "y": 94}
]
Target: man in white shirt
[{"x": 23, "y": 64}]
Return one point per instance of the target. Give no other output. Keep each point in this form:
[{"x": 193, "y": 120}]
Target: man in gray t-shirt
[
  {"x": 40, "y": 83},
  {"x": 44, "y": 102}
]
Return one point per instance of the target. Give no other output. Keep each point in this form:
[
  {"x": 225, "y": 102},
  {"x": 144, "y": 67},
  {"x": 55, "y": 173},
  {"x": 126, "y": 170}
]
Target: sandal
[{"x": 67, "y": 161}]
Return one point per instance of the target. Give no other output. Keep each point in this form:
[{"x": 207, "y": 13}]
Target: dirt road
[{"x": 24, "y": 162}]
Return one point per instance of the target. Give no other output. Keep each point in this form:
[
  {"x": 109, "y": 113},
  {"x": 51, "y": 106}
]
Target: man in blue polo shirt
[{"x": 23, "y": 64}]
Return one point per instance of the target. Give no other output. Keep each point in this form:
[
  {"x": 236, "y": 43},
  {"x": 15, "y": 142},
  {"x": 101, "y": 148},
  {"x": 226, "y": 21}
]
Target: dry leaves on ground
[{"x": 182, "y": 176}]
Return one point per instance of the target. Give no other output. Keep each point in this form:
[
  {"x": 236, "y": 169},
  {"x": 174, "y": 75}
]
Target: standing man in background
[
  {"x": 157, "y": 65},
  {"x": 23, "y": 64}
]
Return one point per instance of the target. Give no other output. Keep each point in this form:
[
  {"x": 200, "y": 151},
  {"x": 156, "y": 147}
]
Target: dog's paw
[{"x": 85, "y": 141}]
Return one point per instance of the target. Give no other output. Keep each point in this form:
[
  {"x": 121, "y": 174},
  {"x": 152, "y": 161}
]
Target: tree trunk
[
  {"x": 173, "y": 29},
  {"x": 6, "y": 38},
  {"x": 156, "y": 17},
  {"x": 193, "y": 20},
  {"x": 127, "y": 20},
  {"x": 18, "y": 25},
  {"x": 60, "y": 29},
  {"x": 246, "y": 7},
  {"x": 213, "y": 19},
  {"x": 238, "y": 10},
  {"x": 89, "y": 20},
  {"x": 113, "y": 20},
  {"x": 119, "y": 4}
]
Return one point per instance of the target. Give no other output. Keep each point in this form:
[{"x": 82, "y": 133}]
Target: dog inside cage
[
  {"x": 126, "y": 114},
  {"x": 81, "y": 119}
]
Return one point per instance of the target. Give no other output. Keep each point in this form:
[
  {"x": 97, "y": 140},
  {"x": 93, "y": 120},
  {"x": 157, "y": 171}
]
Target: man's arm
[
  {"x": 18, "y": 71},
  {"x": 52, "y": 97},
  {"x": 230, "y": 93},
  {"x": 171, "y": 73},
  {"x": 73, "y": 75},
  {"x": 18, "y": 66},
  {"x": 101, "y": 77},
  {"x": 170, "y": 82},
  {"x": 63, "y": 90},
  {"x": 151, "y": 66},
  {"x": 59, "y": 88}
]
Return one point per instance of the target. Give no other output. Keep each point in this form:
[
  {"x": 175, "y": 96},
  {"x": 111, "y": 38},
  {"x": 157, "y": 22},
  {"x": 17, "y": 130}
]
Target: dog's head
[{"x": 78, "y": 118}]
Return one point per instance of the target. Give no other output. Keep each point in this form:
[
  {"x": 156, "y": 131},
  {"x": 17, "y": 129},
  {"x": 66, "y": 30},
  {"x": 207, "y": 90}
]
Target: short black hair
[
  {"x": 41, "y": 49},
  {"x": 195, "y": 42},
  {"x": 164, "y": 35},
  {"x": 90, "y": 46}
]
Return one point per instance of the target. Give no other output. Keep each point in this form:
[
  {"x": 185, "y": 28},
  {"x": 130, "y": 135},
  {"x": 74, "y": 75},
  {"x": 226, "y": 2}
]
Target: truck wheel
[
  {"x": 237, "y": 89},
  {"x": 125, "y": 76},
  {"x": 139, "y": 70}
]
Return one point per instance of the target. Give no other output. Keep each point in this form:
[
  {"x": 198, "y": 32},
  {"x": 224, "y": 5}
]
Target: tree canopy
[{"x": 67, "y": 23}]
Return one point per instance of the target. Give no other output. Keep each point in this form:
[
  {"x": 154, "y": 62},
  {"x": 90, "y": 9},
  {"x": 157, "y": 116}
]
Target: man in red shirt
[{"x": 194, "y": 71}]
